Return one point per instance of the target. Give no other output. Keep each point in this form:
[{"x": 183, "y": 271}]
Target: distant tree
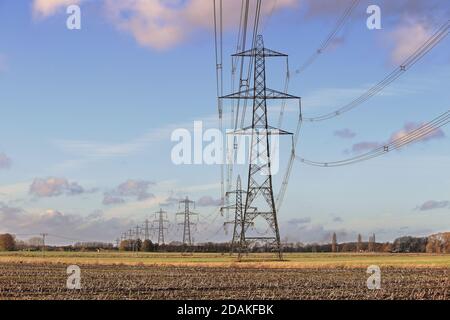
[
  {"x": 147, "y": 246},
  {"x": 437, "y": 247},
  {"x": 439, "y": 243},
  {"x": 35, "y": 242},
  {"x": 334, "y": 243},
  {"x": 125, "y": 245},
  {"x": 347, "y": 247},
  {"x": 386, "y": 247},
  {"x": 430, "y": 246},
  {"x": 409, "y": 244},
  {"x": 7, "y": 242}
]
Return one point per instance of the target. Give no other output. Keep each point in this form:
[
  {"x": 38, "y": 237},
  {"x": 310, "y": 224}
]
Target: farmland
[{"x": 215, "y": 276}]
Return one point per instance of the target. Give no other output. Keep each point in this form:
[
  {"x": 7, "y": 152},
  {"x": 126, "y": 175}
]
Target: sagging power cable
[
  {"x": 426, "y": 47},
  {"x": 418, "y": 134}
]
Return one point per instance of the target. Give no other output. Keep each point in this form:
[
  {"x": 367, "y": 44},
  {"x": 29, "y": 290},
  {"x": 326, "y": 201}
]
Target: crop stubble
[{"x": 48, "y": 281}]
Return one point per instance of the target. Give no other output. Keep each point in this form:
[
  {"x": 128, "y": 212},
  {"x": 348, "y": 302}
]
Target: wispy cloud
[
  {"x": 207, "y": 201},
  {"x": 70, "y": 227},
  {"x": 345, "y": 133},
  {"x": 407, "y": 39},
  {"x": 136, "y": 189},
  {"x": 432, "y": 204},
  {"x": 53, "y": 186},
  {"x": 84, "y": 152},
  {"x": 162, "y": 24},
  {"x": 45, "y": 8},
  {"x": 399, "y": 134},
  {"x": 5, "y": 161}
]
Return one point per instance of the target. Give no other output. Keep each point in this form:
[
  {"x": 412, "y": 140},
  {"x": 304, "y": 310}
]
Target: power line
[
  {"x": 244, "y": 84},
  {"x": 339, "y": 25},
  {"x": 218, "y": 44},
  {"x": 414, "y": 135},
  {"x": 426, "y": 47}
]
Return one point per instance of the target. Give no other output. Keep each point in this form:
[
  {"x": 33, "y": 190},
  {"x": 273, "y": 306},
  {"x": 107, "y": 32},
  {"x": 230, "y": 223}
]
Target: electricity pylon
[
  {"x": 238, "y": 207},
  {"x": 260, "y": 189},
  {"x": 161, "y": 220},
  {"x": 130, "y": 239},
  {"x": 146, "y": 230},
  {"x": 187, "y": 220},
  {"x": 238, "y": 214}
]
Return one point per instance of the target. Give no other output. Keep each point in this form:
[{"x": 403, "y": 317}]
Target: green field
[{"x": 291, "y": 260}]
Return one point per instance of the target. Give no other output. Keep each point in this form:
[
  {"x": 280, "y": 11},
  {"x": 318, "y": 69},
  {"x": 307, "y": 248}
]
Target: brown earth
[{"x": 48, "y": 281}]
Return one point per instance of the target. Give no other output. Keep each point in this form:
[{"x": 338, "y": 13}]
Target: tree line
[{"x": 437, "y": 243}]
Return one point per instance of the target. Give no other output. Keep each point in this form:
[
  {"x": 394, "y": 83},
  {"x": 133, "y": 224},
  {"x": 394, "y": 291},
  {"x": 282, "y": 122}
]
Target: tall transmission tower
[
  {"x": 238, "y": 214},
  {"x": 44, "y": 235},
  {"x": 138, "y": 232},
  {"x": 187, "y": 223},
  {"x": 260, "y": 189},
  {"x": 161, "y": 220},
  {"x": 146, "y": 230},
  {"x": 130, "y": 239},
  {"x": 238, "y": 207}
]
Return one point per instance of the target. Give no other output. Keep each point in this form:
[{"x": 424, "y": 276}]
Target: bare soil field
[{"x": 23, "y": 280}]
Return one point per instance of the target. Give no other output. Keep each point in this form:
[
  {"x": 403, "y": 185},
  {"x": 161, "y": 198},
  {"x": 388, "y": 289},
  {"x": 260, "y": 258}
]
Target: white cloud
[
  {"x": 162, "y": 24},
  {"x": 45, "y": 8},
  {"x": 408, "y": 38},
  {"x": 52, "y": 187},
  {"x": 93, "y": 227},
  {"x": 131, "y": 188}
]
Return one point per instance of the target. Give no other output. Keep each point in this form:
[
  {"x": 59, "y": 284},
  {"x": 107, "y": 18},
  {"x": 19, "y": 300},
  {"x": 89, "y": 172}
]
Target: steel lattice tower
[
  {"x": 187, "y": 239},
  {"x": 238, "y": 216},
  {"x": 146, "y": 230},
  {"x": 161, "y": 221},
  {"x": 260, "y": 189}
]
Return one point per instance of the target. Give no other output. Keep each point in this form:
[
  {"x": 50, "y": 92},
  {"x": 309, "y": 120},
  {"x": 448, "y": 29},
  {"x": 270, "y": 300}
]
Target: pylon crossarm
[
  {"x": 267, "y": 94},
  {"x": 270, "y": 131},
  {"x": 267, "y": 53}
]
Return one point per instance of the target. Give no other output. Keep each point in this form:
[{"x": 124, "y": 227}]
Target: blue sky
[{"x": 88, "y": 114}]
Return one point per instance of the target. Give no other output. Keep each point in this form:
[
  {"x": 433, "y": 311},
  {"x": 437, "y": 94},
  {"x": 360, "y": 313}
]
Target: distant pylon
[
  {"x": 187, "y": 223},
  {"x": 260, "y": 189},
  {"x": 44, "y": 235},
  {"x": 146, "y": 230},
  {"x": 130, "y": 239},
  {"x": 334, "y": 243},
  {"x": 138, "y": 232},
  {"x": 161, "y": 221},
  {"x": 238, "y": 214},
  {"x": 238, "y": 207}
]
